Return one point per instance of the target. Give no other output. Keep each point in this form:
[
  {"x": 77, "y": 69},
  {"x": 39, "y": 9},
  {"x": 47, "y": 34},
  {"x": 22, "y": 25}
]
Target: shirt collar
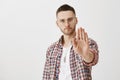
[{"x": 59, "y": 43}]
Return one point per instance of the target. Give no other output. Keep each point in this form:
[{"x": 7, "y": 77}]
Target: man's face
[{"x": 66, "y": 21}]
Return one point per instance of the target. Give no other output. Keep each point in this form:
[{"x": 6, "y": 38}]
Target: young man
[{"x": 74, "y": 54}]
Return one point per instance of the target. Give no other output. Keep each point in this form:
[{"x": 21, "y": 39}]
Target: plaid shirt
[{"x": 80, "y": 70}]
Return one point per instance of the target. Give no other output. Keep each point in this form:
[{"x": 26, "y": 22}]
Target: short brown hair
[{"x": 65, "y": 7}]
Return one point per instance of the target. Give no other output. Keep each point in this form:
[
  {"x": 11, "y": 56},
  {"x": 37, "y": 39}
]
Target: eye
[
  {"x": 70, "y": 19},
  {"x": 62, "y": 21}
]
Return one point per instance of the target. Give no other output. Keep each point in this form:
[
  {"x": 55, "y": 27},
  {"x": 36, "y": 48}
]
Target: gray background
[{"x": 28, "y": 27}]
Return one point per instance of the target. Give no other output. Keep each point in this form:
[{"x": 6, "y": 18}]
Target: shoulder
[
  {"x": 91, "y": 41},
  {"x": 52, "y": 45},
  {"x": 51, "y": 48},
  {"x": 92, "y": 44}
]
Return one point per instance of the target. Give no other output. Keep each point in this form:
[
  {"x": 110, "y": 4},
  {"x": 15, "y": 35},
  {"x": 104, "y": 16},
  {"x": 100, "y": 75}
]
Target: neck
[{"x": 67, "y": 40}]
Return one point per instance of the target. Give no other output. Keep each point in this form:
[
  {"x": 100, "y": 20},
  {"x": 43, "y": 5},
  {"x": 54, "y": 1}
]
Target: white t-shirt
[{"x": 65, "y": 72}]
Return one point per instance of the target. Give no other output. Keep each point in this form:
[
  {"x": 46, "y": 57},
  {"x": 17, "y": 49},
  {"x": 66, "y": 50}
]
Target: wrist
[{"x": 88, "y": 58}]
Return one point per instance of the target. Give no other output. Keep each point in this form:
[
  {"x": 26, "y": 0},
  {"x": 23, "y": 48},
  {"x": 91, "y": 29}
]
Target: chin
[{"x": 67, "y": 33}]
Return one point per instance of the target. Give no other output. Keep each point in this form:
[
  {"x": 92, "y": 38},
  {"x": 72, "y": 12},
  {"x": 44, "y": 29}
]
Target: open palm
[{"x": 80, "y": 43}]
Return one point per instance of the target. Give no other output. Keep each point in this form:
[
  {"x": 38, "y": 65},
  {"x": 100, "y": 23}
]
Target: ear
[
  {"x": 76, "y": 20},
  {"x": 57, "y": 23}
]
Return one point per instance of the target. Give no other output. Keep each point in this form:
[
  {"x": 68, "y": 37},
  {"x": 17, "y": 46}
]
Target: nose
[{"x": 66, "y": 23}]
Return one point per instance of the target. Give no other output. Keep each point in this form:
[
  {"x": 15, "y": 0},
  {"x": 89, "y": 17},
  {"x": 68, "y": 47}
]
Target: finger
[
  {"x": 77, "y": 34},
  {"x": 80, "y": 33},
  {"x": 86, "y": 37},
  {"x": 83, "y": 34}
]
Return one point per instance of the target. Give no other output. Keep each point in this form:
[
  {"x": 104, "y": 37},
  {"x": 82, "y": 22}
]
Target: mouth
[{"x": 67, "y": 28}]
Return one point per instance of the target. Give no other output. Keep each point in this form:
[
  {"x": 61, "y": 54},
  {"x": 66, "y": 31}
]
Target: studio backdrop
[{"x": 28, "y": 27}]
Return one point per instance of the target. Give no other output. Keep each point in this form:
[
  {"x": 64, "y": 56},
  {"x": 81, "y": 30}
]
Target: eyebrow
[{"x": 67, "y": 19}]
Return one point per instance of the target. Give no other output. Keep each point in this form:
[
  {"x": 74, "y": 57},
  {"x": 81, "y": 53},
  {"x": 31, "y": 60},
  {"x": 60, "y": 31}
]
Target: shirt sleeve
[
  {"x": 46, "y": 74},
  {"x": 93, "y": 49}
]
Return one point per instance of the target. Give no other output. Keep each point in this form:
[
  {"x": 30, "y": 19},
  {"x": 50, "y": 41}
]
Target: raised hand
[{"x": 81, "y": 45}]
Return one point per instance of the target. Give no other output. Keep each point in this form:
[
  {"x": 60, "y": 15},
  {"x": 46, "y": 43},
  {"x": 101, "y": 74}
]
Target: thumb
[{"x": 74, "y": 43}]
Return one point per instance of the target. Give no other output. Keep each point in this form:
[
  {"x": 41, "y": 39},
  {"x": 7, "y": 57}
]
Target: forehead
[{"x": 65, "y": 15}]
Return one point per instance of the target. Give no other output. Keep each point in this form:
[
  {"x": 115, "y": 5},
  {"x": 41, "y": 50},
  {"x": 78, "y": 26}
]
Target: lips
[{"x": 67, "y": 28}]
